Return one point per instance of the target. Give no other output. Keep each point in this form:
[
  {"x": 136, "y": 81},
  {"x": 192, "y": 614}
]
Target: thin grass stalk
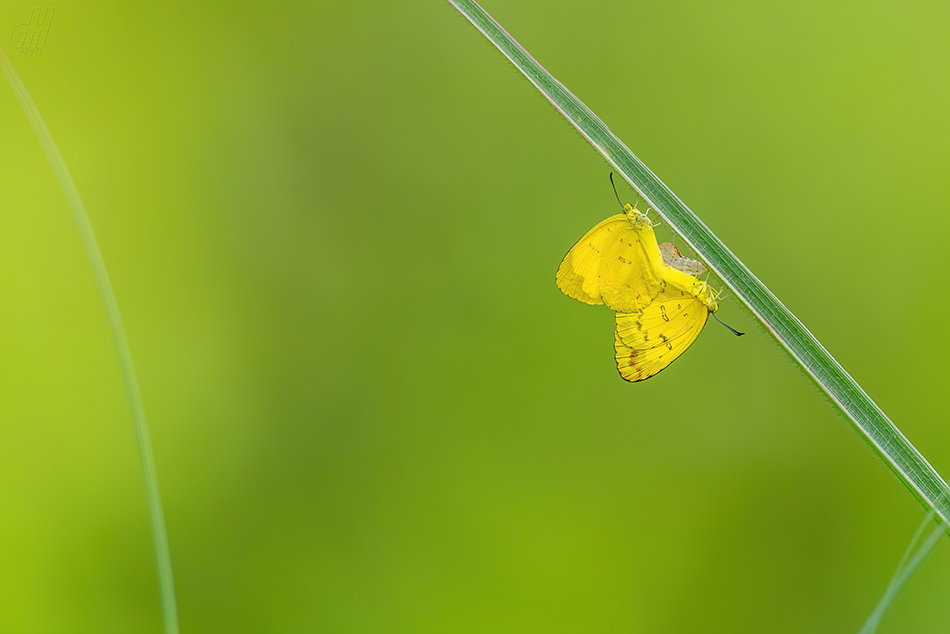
[
  {"x": 157, "y": 516},
  {"x": 905, "y": 570}
]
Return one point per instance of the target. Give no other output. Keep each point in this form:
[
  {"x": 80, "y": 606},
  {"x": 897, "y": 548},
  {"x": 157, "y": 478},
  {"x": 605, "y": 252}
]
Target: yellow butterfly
[
  {"x": 617, "y": 263},
  {"x": 660, "y": 304}
]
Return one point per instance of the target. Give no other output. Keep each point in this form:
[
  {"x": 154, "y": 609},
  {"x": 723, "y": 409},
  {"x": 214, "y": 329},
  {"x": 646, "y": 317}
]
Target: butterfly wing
[
  {"x": 617, "y": 263},
  {"x": 673, "y": 258},
  {"x": 650, "y": 339}
]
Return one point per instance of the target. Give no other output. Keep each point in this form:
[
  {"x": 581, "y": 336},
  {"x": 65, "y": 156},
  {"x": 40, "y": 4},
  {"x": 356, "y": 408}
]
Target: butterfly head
[
  {"x": 708, "y": 295},
  {"x": 638, "y": 218}
]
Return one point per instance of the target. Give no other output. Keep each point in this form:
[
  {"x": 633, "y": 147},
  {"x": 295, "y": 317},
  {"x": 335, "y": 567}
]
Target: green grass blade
[
  {"x": 159, "y": 536},
  {"x": 896, "y": 451},
  {"x": 905, "y": 569}
]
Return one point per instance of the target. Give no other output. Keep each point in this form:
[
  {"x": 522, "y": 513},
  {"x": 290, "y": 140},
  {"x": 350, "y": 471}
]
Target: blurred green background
[{"x": 333, "y": 229}]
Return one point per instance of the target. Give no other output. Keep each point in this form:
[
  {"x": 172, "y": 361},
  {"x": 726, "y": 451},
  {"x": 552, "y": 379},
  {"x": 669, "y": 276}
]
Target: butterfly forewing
[{"x": 616, "y": 263}]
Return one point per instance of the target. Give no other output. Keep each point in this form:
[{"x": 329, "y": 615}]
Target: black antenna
[
  {"x": 615, "y": 190},
  {"x": 734, "y": 331}
]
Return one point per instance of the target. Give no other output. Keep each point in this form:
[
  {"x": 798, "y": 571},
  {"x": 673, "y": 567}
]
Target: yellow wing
[
  {"x": 650, "y": 339},
  {"x": 617, "y": 263}
]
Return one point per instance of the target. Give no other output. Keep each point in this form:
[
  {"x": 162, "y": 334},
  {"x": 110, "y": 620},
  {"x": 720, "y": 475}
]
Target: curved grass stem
[{"x": 159, "y": 536}]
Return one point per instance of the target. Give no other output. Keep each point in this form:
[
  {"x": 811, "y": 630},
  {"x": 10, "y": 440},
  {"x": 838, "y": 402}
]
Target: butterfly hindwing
[{"x": 647, "y": 341}]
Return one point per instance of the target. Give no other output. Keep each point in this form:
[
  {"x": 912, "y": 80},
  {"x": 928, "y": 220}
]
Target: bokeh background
[{"x": 333, "y": 229}]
